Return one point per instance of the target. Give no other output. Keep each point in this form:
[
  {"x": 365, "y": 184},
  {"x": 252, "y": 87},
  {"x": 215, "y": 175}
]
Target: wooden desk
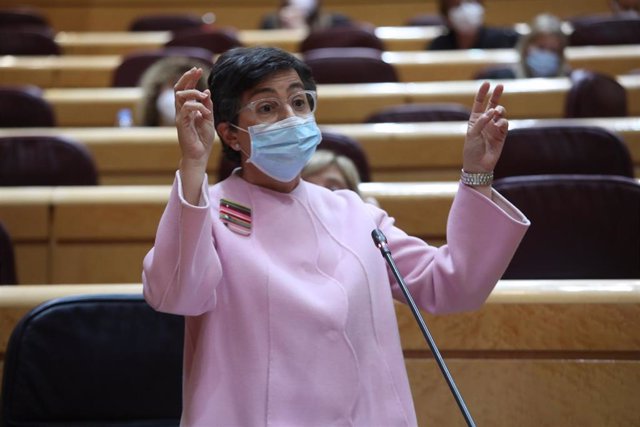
[
  {"x": 538, "y": 353},
  {"x": 116, "y": 15},
  {"x": 396, "y": 152},
  {"x": 412, "y": 66},
  {"x": 523, "y": 99}
]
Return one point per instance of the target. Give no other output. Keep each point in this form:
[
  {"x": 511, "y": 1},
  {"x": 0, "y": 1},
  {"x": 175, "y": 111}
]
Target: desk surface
[{"x": 411, "y": 66}]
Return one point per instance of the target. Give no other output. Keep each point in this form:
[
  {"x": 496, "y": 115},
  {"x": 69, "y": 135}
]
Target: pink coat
[{"x": 289, "y": 313}]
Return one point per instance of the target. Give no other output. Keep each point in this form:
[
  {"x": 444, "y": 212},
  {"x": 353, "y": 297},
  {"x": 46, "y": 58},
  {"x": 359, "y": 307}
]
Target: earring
[{"x": 237, "y": 147}]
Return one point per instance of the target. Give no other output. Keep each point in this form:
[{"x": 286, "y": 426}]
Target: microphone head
[{"x": 378, "y": 237}]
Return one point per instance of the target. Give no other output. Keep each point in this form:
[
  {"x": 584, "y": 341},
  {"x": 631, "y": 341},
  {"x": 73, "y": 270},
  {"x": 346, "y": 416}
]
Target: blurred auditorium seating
[
  {"x": 166, "y": 22},
  {"x": 563, "y": 150},
  {"x": 31, "y": 42},
  {"x": 133, "y": 65},
  {"x": 582, "y": 226},
  {"x": 347, "y": 65},
  {"x": 83, "y": 361},
  {"x": 23, "y": 18},
  {"x": 24, "y": 106},
  {"x": 350, "y": 36},
  {"x": 595, "y": 94},
  {"x": 605, "y": 30},
  {"x": 45, "y": 161},
  {"x": 214, "y": 40},
  {"x": 7, "y": 258},
  {"x": 403, "y": 113}
]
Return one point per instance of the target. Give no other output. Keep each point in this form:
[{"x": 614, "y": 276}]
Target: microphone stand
[{"x": 381, "y": 242}]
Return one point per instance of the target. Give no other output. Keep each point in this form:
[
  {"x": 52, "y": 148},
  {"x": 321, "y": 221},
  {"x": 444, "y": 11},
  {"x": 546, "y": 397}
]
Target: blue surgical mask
[
  {"x": 281, "y": 149},
  {"x": 542, "y": 63}
]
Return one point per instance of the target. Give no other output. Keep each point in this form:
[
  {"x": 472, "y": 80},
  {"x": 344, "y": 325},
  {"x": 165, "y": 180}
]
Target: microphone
[{"x": 380, "y": 241}]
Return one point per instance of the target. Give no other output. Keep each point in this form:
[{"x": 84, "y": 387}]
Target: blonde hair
[
  {"x": 543, "y": 24},
  {"x": 322, "y": 159},
  {"x": 163, "y": 71}
]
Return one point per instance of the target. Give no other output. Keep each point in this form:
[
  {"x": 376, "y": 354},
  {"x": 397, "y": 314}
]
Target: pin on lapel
[{"x": 235, "y": 216}]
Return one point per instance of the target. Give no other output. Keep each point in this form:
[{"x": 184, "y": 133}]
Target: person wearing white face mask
[
  {"x": 288, "y": 304},
  {"x": 157, "y": 105},
  {"x": 303, "y": 14},
  {"x": 466, "y": 30},
  {"x": 625, "y": 8}
]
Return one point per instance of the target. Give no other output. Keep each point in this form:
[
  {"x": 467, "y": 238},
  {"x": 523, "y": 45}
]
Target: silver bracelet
[{"x": 473, "y": 179}]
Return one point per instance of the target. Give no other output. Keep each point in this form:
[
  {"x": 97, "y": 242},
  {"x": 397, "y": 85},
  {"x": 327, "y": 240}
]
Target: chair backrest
[
  {"x": 23, "y": 18},
  {"x": 348, "y": 36},
  {"x": 594, "y": 94},
  {"x": 563, "y": 149},
  {"x": 31, "y": 41},
  {"x": 420, "y": 113},
  {"x": 495, "y": 72},
  {"x": 93, "y": 360},
  {"x": 339, "y": 143},
  {"x": 7, "y": 258},
  {"x": 605, "y": 30},
  {"x": 426, "y": 20},
  {"x": 349, "y": 65},
  {"x": 582, "y": 227},
  {"x": 176, "y": 22},
  {"x": 214, "y": 40},
  {"x": 45, "y": 160},
  {"x": 133, "y": 65},
  {"x": 24, "y": 106}
]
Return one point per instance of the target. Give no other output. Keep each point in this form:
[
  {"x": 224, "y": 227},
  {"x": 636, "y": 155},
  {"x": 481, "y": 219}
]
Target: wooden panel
[
  {"x": 528, "y": 393},
  {"x": 32, "y": 262},
  {"x": 412, "y": 66}
]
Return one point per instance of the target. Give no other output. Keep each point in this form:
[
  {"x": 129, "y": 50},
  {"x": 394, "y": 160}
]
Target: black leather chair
[
  {"x": 166, "y": 22},
  {"x": 24, "y": 106},
  {"x": 45, "y": 160},
  {"x": 604, "y": 30},
  {"x": 133, "y": 65},
  {"x": 563, "y": 149},
  {"x": 426, "y": 20},
  {"x": 93, "y": 360},
  {"x": 594, "y": 94},
  {"x": 339, "y": 143},
  {"x": 348, "y": 36},
  {"x": 435, "y": 112},
  {"x": 582, "y": 226},
  {"x": 27, "y": 41},
  {"x": 7, "y": 258},
  {"x": 349, "y": 65},
  {"x": 214, "y": 40},
  {"x": 24, "y": 18}
]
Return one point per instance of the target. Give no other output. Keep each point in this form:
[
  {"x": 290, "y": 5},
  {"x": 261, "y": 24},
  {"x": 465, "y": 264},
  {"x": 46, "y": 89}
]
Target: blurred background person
[
  {"x": 464, "y": 20},
  {"x": 157, "y": 106},
  {"x": 625, "y": 8},
  {"x": 303, "y": 14},
  {"x": 335, "y": 172}
]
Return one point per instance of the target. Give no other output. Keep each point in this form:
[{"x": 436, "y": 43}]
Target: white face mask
[
  {"x": 542, "y": 63},
  {"x": 467, "y": 17},
  {"x": 307, "y": 6},
  {"x": 165, "y": 104}
]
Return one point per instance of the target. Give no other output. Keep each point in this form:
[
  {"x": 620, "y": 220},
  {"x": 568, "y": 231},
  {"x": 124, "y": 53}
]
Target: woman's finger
[
  {"x": 478, "y": 103},
  {"x": 495, "y": 96},
  {"x": 188, "y": 80},
  {"x": 481, "y": 122}
]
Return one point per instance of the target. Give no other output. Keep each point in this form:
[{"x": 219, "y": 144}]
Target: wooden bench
[
  {"x": 412, "y": 66},
  {"x": 396, "y": 152},
  {"x": 351, "y": 103},
  {"x": 564, "y": 352},
  {"x": 115, "y": 15}
]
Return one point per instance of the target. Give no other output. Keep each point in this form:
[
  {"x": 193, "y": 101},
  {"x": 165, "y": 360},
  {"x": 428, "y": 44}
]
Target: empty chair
[
  {"x": 420, "y": 113},
  {"x": 582, "y": 226},
  {"x": 349, "y": 36},
  {"x": 45, "y": 161},
  {"x": 94, "y": 360},
  {"x": 214, "y": 40},
  {"x": 32, "y": 41},
  {"x": 563, "y": 150},
  {"x": 339, "y": 143},
  {"x": 595, "y": 94},
  {"x": 7, "y": 258},
  {"x": 133, "y": 65},
  {"x": 24, "y": 106},
  {"x": 605, "y": 30},
  {"x": 349, "y": 65},
  {"x": 176, "y": 22}
]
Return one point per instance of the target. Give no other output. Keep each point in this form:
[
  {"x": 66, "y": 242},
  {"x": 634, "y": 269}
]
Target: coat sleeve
[
  {"x": 482, "y": 236},
  {"x": 181, "y": 272}
]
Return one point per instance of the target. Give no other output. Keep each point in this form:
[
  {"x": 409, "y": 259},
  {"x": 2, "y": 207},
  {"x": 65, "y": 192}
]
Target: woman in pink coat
[{"x": 288, "y": 303}]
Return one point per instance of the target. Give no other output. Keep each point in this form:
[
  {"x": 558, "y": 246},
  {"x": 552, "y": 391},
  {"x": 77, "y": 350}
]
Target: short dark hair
[{"x": 243, "y": 68}]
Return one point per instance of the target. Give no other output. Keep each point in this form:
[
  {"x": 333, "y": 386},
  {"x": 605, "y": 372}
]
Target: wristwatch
[{"x": 474, "y": 179}]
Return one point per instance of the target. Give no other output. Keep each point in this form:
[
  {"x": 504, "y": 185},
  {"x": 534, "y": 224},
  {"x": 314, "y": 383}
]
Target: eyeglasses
[{"x": 270, "y": 110}]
